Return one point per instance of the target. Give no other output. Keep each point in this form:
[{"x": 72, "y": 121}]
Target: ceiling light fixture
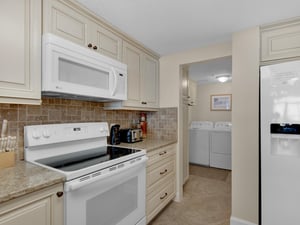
[{"x": 222, "y": 78}]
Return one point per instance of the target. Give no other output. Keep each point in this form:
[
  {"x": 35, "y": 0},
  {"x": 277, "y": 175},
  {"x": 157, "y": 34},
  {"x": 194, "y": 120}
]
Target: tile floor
[{"x": 206, "y": 201}]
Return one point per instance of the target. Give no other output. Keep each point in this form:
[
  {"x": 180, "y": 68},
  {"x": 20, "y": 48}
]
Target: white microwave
[{"x": 73, "y": 71}]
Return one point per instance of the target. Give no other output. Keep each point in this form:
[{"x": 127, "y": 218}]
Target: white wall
[
  {"x": 170, "y": 87},
  {"x": 202, "y": 110},
  {"x": 245, "y": 120}
]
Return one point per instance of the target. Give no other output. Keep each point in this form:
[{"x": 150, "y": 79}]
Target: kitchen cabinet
[
  {"x": 280, "y": 41},
  {"x": 142, "y": 83},
  {"x": 160, "y": 180},
  {"x": 20, "y": 41},
  {"x": 192, "y": 93},
  {"x": 44, "y": 207},
  {"x": 72, "y": 23}
]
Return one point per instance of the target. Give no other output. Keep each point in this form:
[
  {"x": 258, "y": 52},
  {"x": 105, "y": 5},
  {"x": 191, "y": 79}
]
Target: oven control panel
[{"x": 56, "y": 133}]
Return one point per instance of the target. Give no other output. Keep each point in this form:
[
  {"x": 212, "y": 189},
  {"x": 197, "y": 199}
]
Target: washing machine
[
  {"x": 199, "y": 142},
  {"x": 220, "y": 146}
]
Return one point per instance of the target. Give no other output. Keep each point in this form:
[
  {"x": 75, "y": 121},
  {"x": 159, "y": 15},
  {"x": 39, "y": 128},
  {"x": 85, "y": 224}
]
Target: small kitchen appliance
[
  {"x": 105, "y": 185},
  {"x": 115, "y": 134},
  {"x": 131, "y": 135},
  {"x": 280, "y": 144}
]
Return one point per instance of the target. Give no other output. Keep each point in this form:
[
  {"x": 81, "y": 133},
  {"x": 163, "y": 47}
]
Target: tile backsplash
[{"x": 162, "y": 124}]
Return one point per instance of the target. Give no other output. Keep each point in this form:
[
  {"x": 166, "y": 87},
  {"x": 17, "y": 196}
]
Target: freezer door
[{"x": 280, "y": 144}]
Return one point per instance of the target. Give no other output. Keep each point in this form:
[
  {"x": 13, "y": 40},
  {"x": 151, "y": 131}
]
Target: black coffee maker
[{"x": 115, "y": 134}]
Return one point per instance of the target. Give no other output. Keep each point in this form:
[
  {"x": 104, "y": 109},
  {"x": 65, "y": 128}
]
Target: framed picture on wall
[{"x": 220, "y": 102}]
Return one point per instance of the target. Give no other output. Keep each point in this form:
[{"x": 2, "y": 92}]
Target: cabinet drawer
[
  {"x": 158, "y": 200},
  {"x": 280, "y": 41},
  {"x": 160, "y": 172},
  {"x": 160, "y": 154}
]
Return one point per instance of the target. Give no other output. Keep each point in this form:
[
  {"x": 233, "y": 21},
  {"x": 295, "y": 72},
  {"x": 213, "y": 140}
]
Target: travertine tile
[{"x": 56, "y": 110}]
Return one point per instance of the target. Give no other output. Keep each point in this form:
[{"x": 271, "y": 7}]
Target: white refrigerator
[{"x": 280, "y": 144}]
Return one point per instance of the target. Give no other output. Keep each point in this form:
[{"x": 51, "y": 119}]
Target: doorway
[{"x": 199, "y": 82}]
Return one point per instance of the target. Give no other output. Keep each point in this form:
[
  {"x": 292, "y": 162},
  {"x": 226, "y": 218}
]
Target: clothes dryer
[
  {"x": 220, "y": 150},
  {"x": 199, "y": 142}
]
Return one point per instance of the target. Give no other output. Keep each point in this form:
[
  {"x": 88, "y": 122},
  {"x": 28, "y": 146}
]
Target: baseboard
[{"x": 236, "y": 221}]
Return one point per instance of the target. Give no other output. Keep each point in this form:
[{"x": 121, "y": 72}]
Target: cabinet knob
[
  {"x": 161, "y": 173},
  {"x": 163, "y": 153},
  {"x": 95, "y": 47},
  {"x": 59, "y": 194},
  {"x": 90, "y": 45},
  {"x": 144, "y": 103},
  {"x": 165, "y": 195}
]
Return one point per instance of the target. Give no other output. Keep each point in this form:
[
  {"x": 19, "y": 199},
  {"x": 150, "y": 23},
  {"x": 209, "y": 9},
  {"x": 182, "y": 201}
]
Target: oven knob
[
  {"x": 46, "y": 134},
  {"x": 36, "y": 134}
]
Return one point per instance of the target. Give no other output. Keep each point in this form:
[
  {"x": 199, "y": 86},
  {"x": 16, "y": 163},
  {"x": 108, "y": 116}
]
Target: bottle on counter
[{"x": 143, "y": 123}]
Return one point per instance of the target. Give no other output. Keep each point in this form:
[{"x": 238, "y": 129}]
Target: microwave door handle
[{"x": 113, "y": 92}]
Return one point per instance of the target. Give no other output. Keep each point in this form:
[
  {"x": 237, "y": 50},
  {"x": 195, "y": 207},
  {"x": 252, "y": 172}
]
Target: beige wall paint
[
  {"x": 245, "y": 120},
  {"x": 202, "y": 110},
  {"x": 170, "y": 89},
  {"x": 169, "y": 69}
]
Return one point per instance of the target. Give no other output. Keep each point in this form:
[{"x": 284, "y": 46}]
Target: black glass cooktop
[{"x": 79, "y": 160}]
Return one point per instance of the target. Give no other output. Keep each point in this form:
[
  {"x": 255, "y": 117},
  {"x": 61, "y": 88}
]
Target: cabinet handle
[
  {"x": 163, "y": 153},
  {"x": 165, "y": 195},
  {"x": 95, "y": 47},
  {"x": 144, "y": 103},
  {"x": 161, "y": 173},
  {"x": 90, "y": 45},
  {"x": 59, "y": 194}
]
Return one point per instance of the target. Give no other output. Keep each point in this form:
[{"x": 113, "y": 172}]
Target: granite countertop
[
  {"x": 25, "y": 178},
  {"x": 150, "y": 144}
]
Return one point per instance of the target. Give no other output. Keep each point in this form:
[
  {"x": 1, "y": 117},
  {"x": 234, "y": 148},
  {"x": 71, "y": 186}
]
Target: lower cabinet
[
  {"x": 44, "y": 207},
  {"x": 160, "y": 180}
]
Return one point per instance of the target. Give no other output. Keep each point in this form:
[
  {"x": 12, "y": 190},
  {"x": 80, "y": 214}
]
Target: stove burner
[{"x": 79, "y": 160}]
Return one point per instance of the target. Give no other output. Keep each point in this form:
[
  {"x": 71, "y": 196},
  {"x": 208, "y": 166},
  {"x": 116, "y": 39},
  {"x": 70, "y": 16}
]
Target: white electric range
[{"x": 105, "y": 185}]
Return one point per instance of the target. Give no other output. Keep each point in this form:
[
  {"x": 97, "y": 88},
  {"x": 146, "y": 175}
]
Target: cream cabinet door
[
  {"x": 20, "y": 45},
  {"x": 106, "y": 42},
  {"x": 132, "y": 56},
  {"x": 66, "y": 22},
  {"x": 38, "y": 212},
  {"x": 280, "y": 41},
  {"x": 41, "y": 208},
  {"x": 149, "y": 82}
]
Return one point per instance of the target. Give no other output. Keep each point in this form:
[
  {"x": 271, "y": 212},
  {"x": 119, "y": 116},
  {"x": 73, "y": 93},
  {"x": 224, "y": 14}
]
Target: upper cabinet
[
  {"x": 192, "y": 90},
  {"x": 71, "y": 21},
  {"x": 106, "y": 42},
  {"x": 20, "y": 41},
  {"x": 73, "y": 24},
  {"x": 143, "y": 83},
  {"x": 149, "y": 82},
  {"x": 280, "y": 41}
]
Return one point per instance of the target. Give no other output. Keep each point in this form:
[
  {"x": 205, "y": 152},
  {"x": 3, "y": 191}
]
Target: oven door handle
[{"x": 78, "y": 183}]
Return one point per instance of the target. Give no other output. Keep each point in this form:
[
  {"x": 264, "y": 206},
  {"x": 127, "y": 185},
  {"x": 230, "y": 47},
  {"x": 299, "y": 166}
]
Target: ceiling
[
  {"x": 170, "y": 26},
  {"x": 206, "y": 71}
]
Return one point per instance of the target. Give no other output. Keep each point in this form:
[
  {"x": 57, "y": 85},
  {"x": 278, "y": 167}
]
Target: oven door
[{"x": 114, "y": 196}]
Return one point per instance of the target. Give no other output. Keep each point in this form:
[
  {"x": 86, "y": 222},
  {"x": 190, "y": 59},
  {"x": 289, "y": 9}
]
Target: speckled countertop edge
[
  {"x": 149, "y": 144},
  {"x": 25, "y": 178}
]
